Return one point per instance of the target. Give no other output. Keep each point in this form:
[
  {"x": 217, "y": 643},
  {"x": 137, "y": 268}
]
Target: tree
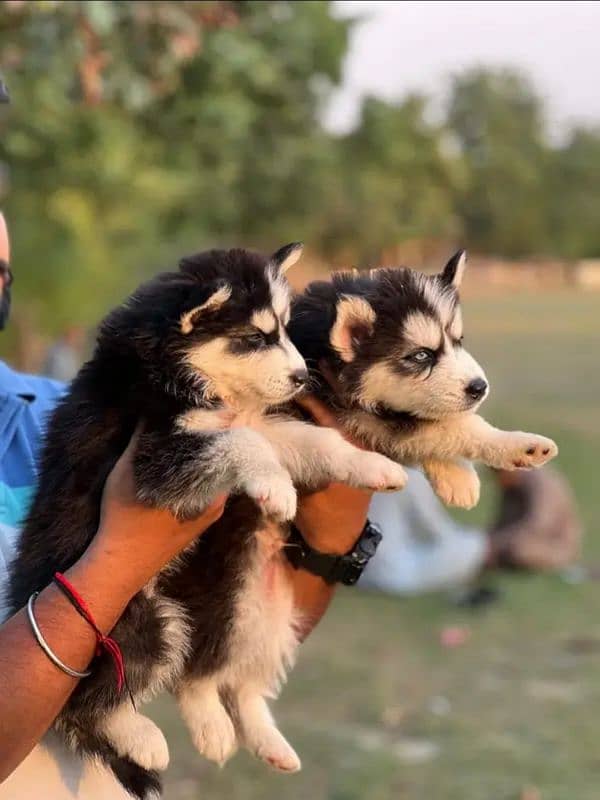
[
  {"x": 141, "y": 129},
  {"x": 396, "y": 181},
  {"x": 498, "y": 122},
  {"x": 573, "y": 195}
]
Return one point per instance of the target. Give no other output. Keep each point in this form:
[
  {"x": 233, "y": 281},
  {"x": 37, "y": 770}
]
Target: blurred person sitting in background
[
  {"x": 64, "y": 356},
  {"x": 423, "y": 548},
  {"x": 537, "y": 527}
]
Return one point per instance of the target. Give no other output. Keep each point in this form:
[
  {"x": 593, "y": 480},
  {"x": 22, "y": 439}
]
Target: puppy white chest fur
[{"x": 263, "y": 641}]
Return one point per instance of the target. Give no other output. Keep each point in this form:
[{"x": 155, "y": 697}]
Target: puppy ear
[
  {"x": 286, "y": 256},
  {"x": 453, "y": 271},
  {"x": 214, "y": 302},
  {"x": 353, "y": 324}
]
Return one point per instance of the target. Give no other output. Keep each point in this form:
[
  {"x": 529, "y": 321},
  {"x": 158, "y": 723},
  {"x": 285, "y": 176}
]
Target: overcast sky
[{"x": 405, "y": 46}]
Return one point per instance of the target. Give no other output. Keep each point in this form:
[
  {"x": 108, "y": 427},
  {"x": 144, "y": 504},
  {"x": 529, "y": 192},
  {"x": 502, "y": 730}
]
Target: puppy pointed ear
[
  {"x": 353, "y": 324},
  {"x": 453, "y": 272},
  {"x": 286, "y": 256},
  {"x": 218, "y": 298}
]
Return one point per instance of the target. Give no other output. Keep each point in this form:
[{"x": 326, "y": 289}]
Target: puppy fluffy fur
[
  {"x": 202, "y": 358},
  {"x": 387, "y": 354},
  {"x": 197, "y": 357}
]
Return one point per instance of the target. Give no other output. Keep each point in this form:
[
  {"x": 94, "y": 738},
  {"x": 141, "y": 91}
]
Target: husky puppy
[
  {"x": 387, "y": 353},
  {"x": 196, "y": 357}
]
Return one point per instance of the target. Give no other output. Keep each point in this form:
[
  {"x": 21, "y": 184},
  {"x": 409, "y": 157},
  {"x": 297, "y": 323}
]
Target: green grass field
[{"x": 377, "y": 709}]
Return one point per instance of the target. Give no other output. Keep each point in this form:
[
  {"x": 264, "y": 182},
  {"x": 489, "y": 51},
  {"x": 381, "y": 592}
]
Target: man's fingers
[
  {"x": 126, "y": 456},
  {"x": 208, "y": 517},
  {"x": 318, "y": 410},
  {"x": 4, "y": 241}
]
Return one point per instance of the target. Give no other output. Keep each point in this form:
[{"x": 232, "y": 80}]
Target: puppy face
[
  {"x": 418, "y": 365},
  {"x": 216, "y": 329},
  {"x": 236, "y": 340},
  {"x": 395, "y": 340}
]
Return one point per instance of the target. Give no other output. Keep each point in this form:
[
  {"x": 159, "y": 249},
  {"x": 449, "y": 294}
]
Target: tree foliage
[
  {"x": 142, "y": 129},
  {"x": 137, "y": 129}
]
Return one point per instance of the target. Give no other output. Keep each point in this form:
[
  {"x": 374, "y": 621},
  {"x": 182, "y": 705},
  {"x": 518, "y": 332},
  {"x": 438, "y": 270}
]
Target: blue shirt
[{"x": 25, "y": 404}]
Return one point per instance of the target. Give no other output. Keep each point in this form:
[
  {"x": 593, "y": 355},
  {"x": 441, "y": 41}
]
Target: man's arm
[
  {"x": 132, "y": 544},
  {"x": 330, "y": 521}
]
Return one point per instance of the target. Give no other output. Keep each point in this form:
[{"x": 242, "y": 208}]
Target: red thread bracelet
[{"x": 106, "y": 643}]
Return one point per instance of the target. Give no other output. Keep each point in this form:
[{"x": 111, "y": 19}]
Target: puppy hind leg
[
  {"x": 259, "y": 733},
  {"x": 134, "y": 736},
  {"x": 207, "y": 720}
]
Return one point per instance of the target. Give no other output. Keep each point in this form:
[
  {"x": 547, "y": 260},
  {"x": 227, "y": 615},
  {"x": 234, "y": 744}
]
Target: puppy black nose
[
  {"x": 476, "y": 389},
  {"x": 299, "y": 377}
]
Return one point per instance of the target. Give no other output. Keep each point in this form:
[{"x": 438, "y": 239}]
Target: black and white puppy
[
  {"x": 386, "y": 350},
  {"x": 197, "y": 357}
]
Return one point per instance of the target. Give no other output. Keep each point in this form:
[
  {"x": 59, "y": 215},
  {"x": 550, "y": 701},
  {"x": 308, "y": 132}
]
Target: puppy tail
[{"x": 143, "y": 784}]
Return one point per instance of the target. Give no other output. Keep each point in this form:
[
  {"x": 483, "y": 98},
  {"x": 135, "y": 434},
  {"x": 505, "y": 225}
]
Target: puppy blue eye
[{"x": 421, "y": 356}]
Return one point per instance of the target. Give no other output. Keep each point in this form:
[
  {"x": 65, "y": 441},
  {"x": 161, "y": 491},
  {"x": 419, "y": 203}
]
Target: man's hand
[
  {"x": 137, "y": 539},
  {"x": 331, "y": 520},
  {"x": 132, "y": 544}
]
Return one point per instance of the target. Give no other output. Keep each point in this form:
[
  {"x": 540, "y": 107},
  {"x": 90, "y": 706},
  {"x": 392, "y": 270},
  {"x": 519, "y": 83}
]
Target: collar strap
[{"x": 345, "y": 569}]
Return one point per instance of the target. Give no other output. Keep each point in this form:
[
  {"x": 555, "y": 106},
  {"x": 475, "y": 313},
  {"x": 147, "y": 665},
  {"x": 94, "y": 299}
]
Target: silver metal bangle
[{"x": 43, "y": 644}]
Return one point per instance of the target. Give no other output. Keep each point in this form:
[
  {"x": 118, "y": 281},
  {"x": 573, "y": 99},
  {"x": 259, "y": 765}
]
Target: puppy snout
[
  {"x": 299, "y": 378},
  {"x": 476, "y": 388}
]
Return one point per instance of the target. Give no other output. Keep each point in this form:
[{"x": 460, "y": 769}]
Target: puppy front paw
[
  {"x": 274, "y": 493},
  {"x": 376, "y": 472},
  {"x": 455, "y": 484},
  {"x": 524, "y": 451}
]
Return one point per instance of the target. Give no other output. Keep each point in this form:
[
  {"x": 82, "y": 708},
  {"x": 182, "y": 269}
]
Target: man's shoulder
[
  {"x": 36, "y": 387},
  {"x": 44, "y": 388}
]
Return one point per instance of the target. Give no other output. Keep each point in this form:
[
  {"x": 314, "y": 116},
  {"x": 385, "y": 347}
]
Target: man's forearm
[
  {"x": 28, "y": 679},
  {"x": 312, "y": 596}
]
